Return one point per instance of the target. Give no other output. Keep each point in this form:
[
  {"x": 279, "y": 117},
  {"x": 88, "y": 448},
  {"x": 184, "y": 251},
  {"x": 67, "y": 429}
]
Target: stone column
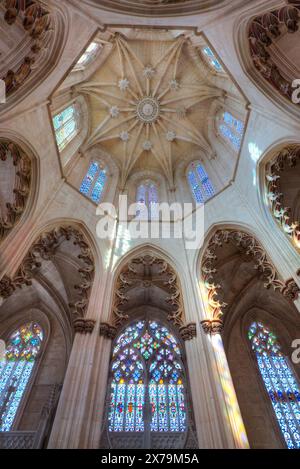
[
  {"x": 71, "y": 415},
  {"x": 236, "y": 437}
]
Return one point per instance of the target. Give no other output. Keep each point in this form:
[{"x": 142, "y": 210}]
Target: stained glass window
[
  {"x": 147, "y": 200},
  {"x": 279, "y": 380},
  {"x": 147, "y": 390},
  {"x": 88, "y": 54},
  {"x": 22, "y": 349},
  {"x": 200, "y": 184},
  {"x": 66, "y": 126},
  {"x": 211, "y": 58},
  {"x": 94, "y": 182},
  {"x": 232, "y": 130}
]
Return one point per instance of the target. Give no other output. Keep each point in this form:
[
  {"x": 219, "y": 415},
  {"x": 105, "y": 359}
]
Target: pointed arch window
[
  {"x": 148, "y": 394},
  {"x": 147, "y": 200},
  {"x": 279, "y": 380},
  {"x": 232, "y": 130},
  {"x": 23, "y": 348},
  {"x": 66, "y": 125},
  {"x": 89, "y": 54},
  {"x": 211, "y": 59},
  {"x": 94, "y": 182},
  {"x": 200, "y": 184}
]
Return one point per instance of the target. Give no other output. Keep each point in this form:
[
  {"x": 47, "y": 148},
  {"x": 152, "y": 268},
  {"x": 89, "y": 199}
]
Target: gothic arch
[
  {"x": 43, "y": 249},
  {"x": 243, "y": 246},
  {"x": 20, "y": 173},
  {"x": 147, "y": 291},
  {"x": 254, "y": 38},
  {"x": 239, "y": 285},
  {"x": 44, "y": 37},
  {"x": 279, "y": 182}
]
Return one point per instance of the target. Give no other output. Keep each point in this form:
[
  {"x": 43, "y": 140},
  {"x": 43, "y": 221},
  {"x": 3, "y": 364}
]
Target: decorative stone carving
[
  {"x": 263, "y": 31},
  {"x": 37, "y": 22},
  {"x": 212, "y": 326},
  {"x": 21, "y": 190},
  {"x": 289, "y": 156},
  {"x": 84, "y": 326},
  {"x": 166, "y": 278},
  {"x": 189, "y": 331},
  {"x": 256, "y": 253},
  {"x": 107, "y": 330},
  {"x": 45, "y": 248},
  {"x": 150, "y": 98}
]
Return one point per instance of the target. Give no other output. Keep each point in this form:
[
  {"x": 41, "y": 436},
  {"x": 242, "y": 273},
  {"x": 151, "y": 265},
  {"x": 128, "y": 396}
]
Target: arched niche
[
  {"x": 268, "y": 45},
  {"x": 240, "y": 285},
  {"x": 17, "y": 175},
  {"x": 281, "y": 183},
  {"x": 148, "y": 291},
  {"x": 38, "y": 32}
]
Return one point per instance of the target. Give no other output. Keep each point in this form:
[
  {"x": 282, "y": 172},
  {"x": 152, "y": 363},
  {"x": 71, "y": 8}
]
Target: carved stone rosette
[
  {"x": 289, "y": 156},
  {"x": 38, "y": 23},
  {"x": 44, "y": 249},
  {"x": 263, "y": 31},
  {"x": 257, "y": 254},
  {"x": 21, "y": 190},
  {"x": 129, "y": 277}
]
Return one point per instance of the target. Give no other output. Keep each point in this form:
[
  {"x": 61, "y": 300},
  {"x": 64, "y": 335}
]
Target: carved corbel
[
  {"x": 107, "y": 330},
  {"x": 188, "y": 331},
  {"x": 83, "y": 325}
]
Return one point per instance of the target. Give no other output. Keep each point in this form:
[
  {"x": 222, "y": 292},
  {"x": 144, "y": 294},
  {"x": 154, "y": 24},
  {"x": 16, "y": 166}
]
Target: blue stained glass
[
  {"x": 147, "y": 199},
  {"x": 200, "y": 183},
  {"x": 212, "y": 59},
  {"x": 279, "y": 380},
  {"x": 65, "y": 126},
  {"x": 94, "y": 182},
  {"x": 144, "y": 362},
  {"x": 99, "y": 187},
  {"x": 232, "y": 130},
  {"x": 22, "y": 349}
]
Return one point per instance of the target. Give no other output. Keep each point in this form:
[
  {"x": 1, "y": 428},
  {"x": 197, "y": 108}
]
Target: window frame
[
  {"x": 45, "y": 326},
  {"x": 102, "y": 166},
  {"x": 197, "y": 163}
]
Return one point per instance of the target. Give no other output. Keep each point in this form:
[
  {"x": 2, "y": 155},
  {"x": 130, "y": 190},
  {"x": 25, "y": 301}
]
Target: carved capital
[
  {"x": 212, "y": 326},
  {"x": 290, "y": 290},
  {"x": 189, "y": 331},
  {"x": 84, "y": 326},
  {"x": 107, "y": 330}
]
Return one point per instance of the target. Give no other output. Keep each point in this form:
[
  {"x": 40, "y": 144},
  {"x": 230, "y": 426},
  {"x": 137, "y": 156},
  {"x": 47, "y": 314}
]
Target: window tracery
[
  {"x": 200, "y": 184},
  {"x": 147, "y": 387},
  {"x": 279, "y": 380},
  {"x": 147, "y": 200},
  {"x": 94, "y": 182},
  {"x": 66, "y": 125},
  {"x": 23, "y": 348},
  {"x": 232, "y": 129},
  {"x": 211, "y": 59}
]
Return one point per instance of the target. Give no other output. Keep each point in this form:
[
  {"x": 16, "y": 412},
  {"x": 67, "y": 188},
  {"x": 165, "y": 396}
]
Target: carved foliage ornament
[
  {"x": 37, "y": 22},
  {"x": 22, "y": 185},
  {"x": 289, "y": 156},
  {"x": 44, "y": 249},
  {"x": 263, "y": 31},
  {"x": 130, "y": 277},
  {"x": 253, "y": 249}
]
